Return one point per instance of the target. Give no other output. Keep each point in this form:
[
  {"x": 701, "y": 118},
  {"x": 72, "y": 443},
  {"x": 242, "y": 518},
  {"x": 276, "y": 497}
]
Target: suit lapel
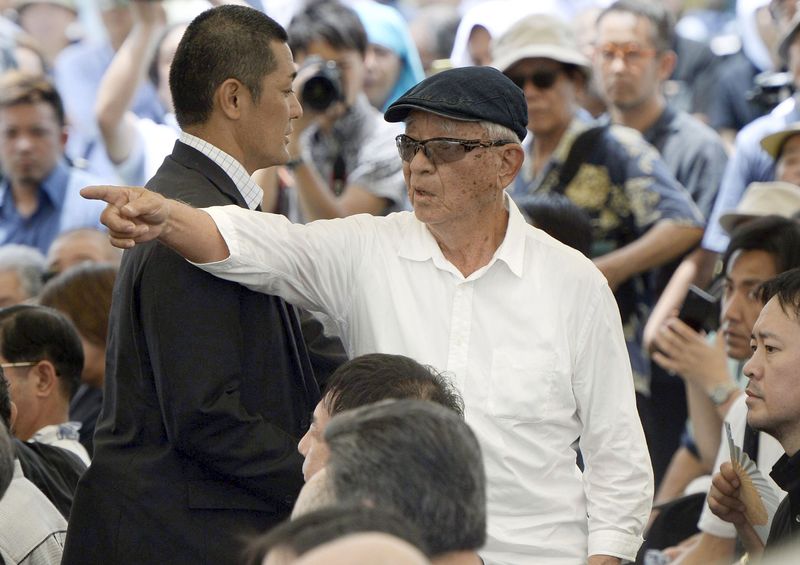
[{"x": 191, "y": 158}]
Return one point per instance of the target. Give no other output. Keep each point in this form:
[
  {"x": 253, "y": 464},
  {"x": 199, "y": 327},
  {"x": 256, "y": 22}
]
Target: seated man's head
[
  {"x": 367, "y": 379},
  {"x": 541, "y": 55},
  {"x": 293, "y": 538},
  {"x": 83, "y": 293},
  {"x": 41, "y": 355},
  {"x": 460, "y": 151},
  {"x": 416, "y": 458},
  {"x": 773, "y": 393},
  {"x": 79, "y": 246},
  {"x": 21, "y": 273},
  {"x": 32, "y": 128},
  {"x": 758, "y": 250},
  {"x": 784, "y": 147},
  {"x": 332, "y": 32},
  {"x": 231, "y": 83}
]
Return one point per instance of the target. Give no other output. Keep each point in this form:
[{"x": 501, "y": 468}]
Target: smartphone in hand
[{"x": 700, "y": 309}]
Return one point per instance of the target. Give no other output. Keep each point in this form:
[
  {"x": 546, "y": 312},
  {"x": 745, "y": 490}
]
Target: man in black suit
[{"x": 208, "y": 385}]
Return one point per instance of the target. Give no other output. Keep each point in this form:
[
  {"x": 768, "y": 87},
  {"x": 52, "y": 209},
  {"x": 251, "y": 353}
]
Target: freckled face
[{"x": 450, "y": 193}]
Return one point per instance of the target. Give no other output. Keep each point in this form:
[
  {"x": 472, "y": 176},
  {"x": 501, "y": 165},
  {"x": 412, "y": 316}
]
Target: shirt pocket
[{"x": 522, "y": 384}]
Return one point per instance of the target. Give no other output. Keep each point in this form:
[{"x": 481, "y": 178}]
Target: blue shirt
[
  {"x": 78, "y": 71},
  {"x": 60, "y": 208},
  {"x": 749, "y": 163}
]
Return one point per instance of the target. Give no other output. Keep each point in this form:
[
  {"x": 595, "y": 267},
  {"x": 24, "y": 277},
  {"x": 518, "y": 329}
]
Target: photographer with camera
[{"x": 343, "y": 155}]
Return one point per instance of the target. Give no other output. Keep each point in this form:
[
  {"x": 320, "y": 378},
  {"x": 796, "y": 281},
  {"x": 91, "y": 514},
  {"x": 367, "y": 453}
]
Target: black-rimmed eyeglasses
[{"x": 441, "y": 149}]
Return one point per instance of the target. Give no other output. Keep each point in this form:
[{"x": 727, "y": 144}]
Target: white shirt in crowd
[
  {"x": 769, "y": 451},
  {"x": 32, "y": 530},
  {"x": 65, "y": 436},
  {"x": 533, "y": 341}
]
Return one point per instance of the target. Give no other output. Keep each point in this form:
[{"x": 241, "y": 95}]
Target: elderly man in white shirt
[{"x": 527, "y": 326}]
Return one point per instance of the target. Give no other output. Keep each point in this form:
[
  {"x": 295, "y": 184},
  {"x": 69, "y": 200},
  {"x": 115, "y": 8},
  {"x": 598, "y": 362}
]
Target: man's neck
[
  {"x": 471, "y": 244},
  {"x": 791, "y": 443},
  {"x": 642, "y": 116},
  {"x": 221, "y": 138},
  {"x": 26, "y": 197},
  {"x": 544, "y": 145},
  {"x": 457, "y": 558}
]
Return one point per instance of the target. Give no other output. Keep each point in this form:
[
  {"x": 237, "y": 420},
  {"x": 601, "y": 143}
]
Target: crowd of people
[{"x": 413, "y": 281}]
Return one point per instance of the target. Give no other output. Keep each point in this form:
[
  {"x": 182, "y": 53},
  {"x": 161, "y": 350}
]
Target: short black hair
[
  {"x": 560, "y": 218},
  {"x": 327, "y": 524},
  {"x": 416, "y": 458},
  {"x": 380, "y": 376},
  {"x": 327, "y": 20},
  {"x": 221, "y": 43},
  {"x": 6, "y": 459},
  {"x": 34, "y": 333},
  {"x": 5, "y": 401},
  {"x": 19, "y": 87},
  {"x": 786, "y": 286},
  {"x": 778, "y": 236},
  {"x": 661, "y": 20}
]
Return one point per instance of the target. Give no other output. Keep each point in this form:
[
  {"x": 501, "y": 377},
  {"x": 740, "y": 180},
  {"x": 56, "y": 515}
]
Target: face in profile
[
  {"x": 312, "y": 446},
  {"x": 773, "y": 393}
]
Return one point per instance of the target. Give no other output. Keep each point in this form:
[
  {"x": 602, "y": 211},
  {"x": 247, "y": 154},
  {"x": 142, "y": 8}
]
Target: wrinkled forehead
[{"x": 422, "y": 121}]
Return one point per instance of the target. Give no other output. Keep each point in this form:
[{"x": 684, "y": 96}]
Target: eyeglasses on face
[
  {"x": 441, "y": 149},
  {"x": 630, "y": 53},
  {"x": 18, "y": 364},
  {"x": 541, "y": 79}
]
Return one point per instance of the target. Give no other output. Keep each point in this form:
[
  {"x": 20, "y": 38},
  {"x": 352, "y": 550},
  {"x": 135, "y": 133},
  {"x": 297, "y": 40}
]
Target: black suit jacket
[
  {"x": 54, "y": 471},
  {"x": 208, "y": 389}
]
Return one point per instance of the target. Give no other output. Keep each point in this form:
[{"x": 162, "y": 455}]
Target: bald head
[{"x": 76, "y": 246}]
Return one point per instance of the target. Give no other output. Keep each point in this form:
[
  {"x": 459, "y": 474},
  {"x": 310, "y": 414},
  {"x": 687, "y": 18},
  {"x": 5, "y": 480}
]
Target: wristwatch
[{"x": 720, "y": 394}]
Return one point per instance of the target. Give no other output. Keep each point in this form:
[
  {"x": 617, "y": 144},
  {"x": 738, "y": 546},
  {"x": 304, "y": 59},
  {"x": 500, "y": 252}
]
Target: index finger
[{"x": 110, "y": 194}]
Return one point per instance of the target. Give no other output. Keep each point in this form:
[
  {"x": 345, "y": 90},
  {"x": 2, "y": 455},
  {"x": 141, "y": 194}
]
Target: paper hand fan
[{"x": 755, "y": 492}]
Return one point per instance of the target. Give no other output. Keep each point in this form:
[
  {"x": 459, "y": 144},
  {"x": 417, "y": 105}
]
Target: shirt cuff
[
  {"x": 614, "y": 543},
  {"x": 226, "y": 227}
]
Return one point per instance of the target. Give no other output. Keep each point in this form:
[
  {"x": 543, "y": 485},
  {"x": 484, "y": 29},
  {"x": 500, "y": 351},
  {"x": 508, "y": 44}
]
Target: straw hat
[{"x": 763, "y": 199}]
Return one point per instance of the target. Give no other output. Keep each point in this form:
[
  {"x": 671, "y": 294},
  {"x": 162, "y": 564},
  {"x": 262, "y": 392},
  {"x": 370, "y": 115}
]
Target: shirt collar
[
  {"x": 786, "y": 472},
  {"x": 661, "y": 126},
  {"x": 418, "y": 244},
  {"x": 577, "y": 126},
  {"x": 250, "y": 191},
  {"x": 53, "y": 187}
]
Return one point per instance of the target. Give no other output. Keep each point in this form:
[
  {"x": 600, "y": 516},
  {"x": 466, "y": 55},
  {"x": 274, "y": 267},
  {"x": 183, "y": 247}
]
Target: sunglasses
[
  {"x": 441, "y": 149},
  {"x": 540, "y": 79}
]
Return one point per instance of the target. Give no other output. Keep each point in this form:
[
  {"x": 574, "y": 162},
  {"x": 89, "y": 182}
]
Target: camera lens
[{"x": 323, "y": 88}]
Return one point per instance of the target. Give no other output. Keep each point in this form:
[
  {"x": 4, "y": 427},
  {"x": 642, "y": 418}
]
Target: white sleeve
[
  {"x": 311, "y": 265},
  {"x": 618, "y": 478}
]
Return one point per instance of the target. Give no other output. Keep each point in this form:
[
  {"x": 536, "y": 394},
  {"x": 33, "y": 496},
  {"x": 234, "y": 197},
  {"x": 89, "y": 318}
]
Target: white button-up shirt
[{"x": 533, "y": 341}]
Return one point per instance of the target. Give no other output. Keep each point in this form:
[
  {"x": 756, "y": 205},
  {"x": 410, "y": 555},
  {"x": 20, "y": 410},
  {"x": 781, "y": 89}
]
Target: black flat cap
[{"x": 470, "y": 94}]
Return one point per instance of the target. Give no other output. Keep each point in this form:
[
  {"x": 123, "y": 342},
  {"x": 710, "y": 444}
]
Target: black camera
[
  {"x": 770, "y": 89},
  {"x": 324, "y": 88}
]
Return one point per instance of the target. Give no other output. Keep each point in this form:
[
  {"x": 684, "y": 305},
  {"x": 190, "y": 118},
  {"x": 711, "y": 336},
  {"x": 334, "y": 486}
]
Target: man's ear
[
  {"x": 667, "y": 64},
  {"x": 511, "y": 161},
  {"x": 46, "y": 377},
  {"x": 229, "y": 98},
  {"x": 13, "y": 419}
]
